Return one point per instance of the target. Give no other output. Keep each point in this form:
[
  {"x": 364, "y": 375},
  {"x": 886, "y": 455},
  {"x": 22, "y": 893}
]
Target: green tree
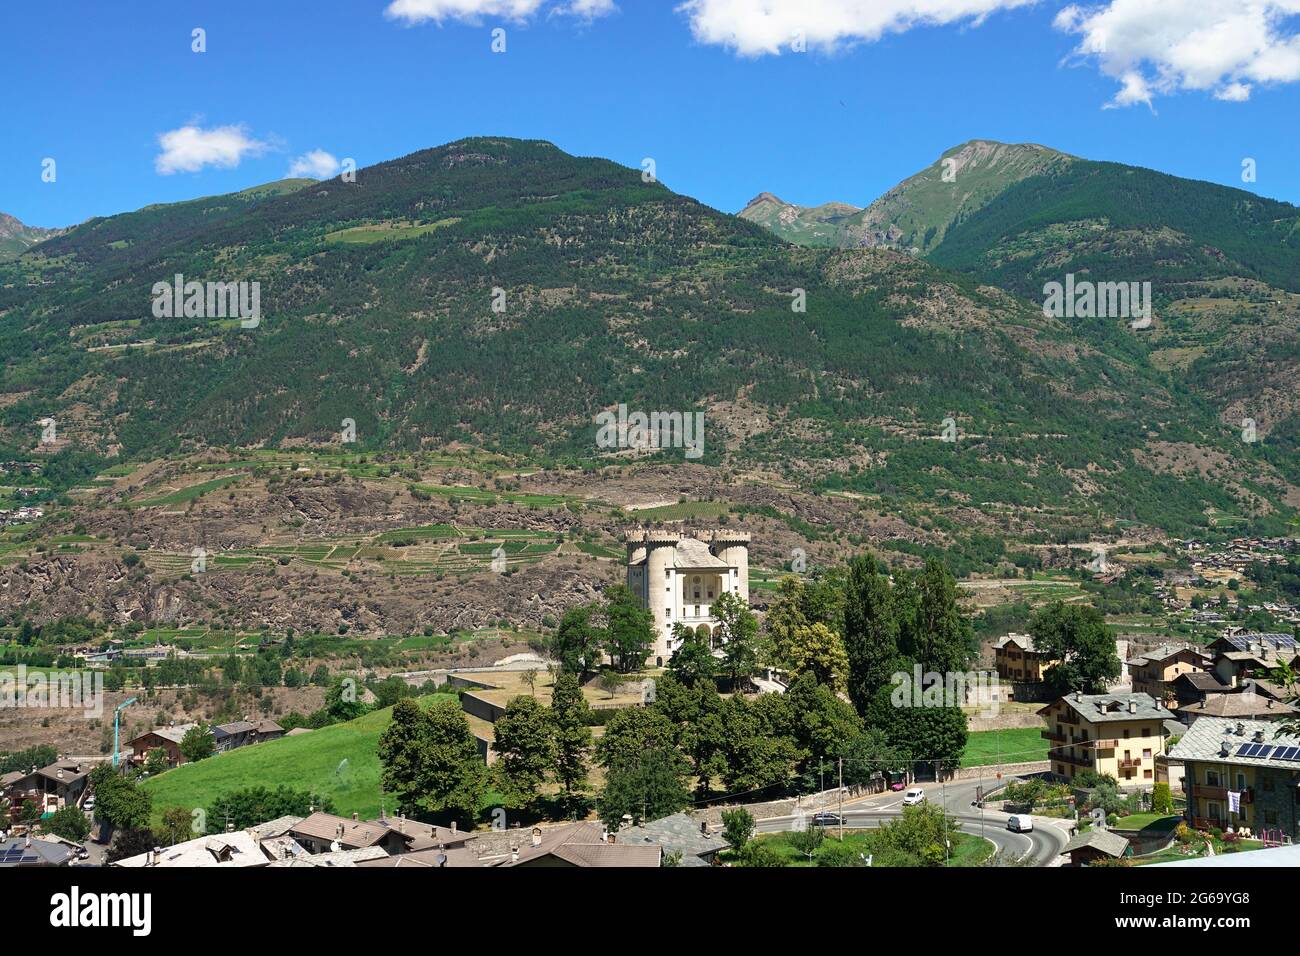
[
  {"x": 757, "y": 853},
  {"x": 737, "y": 631},
  {"x": 577, "y": 642},
  {"x": 525, "y": 745},
  {"x": 156, "y": 762},
  {"x": 570, "y": 715},
  {"x": 693, "y": 661},
  {"x": 431, "y": 762},
  {"x": 933, "y": 631},
  {"x": 177, "y": 826},
  {"x": 246, "y": 807},
  {"x": 68, "y": 822},
  {"x": 1162, "y": 801},
  {"x": 870, "y": 634},
  {"x": 869, "y": 756},
  {"x": 645, "y": 786},
  {"x": 198, "y": 743},
  {"x": 808, "y": 840},
  {"x": 1077, "y": 638},
  {"x": 737, "y": 827},
  {"x": 817, "y": 650},
  {"x": 630, "y": 634},
  {"x": 929, "y": 733},
  {"x": 342, "y": 701}
]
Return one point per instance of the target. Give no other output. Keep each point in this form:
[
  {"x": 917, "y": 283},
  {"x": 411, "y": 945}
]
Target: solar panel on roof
[
  {"x": 1264, "y": 751},
  {"x": 1246, "y": 750},
  {"x": 1287, "y": 753}
]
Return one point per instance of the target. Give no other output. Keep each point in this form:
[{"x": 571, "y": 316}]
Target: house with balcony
[
  {"x": 1155, "y": 671},
  {"x": 1018, "y": 662},
  {"x": 1242, "y": 775},
  {"x": 1116, "y": 734},
  {"x": 1246, "y": 656}
]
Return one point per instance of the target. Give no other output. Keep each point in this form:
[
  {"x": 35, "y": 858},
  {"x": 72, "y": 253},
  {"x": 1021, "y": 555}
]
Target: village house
[
  {"x": 167, "y": 739},
  {"x": 1017, "y": 661},
  {"x": 29, "y": 851},
  {"x": 1154, "y": 672},
  {"x": 1116, "y": 734},
  {"x": 580, "y": 845},
  {"x": 325, "y": 832},
  {"x": 1241, "y": 774},
  {"x": 691, "y": 842},
  {"x": 61, "y": 784},
  {"x": 1253, "y": 655}
]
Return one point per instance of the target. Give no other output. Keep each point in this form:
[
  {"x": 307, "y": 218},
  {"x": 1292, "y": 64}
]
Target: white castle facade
[{"x": 678, "y": 577}]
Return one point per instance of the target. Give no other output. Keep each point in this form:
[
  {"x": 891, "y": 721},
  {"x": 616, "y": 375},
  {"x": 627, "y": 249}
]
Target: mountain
[
  {"x": 917, "y": 213},
  {"x": 15, "y": 237},
  {"x": 500, "y": 293},
  {"x": 1223, "y": 263}
]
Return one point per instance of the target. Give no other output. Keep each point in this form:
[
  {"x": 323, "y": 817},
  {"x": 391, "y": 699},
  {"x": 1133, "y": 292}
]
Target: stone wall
[{"x": 1006, "y": 769}]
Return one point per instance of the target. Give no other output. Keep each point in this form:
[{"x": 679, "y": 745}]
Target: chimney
[
  {"x": 1132, "y": 707},
  {"x": 1078, "y": 696},
  {"x": 453, "y": 826},
  {"x": 1225, "y": 748},
  {"x": 537, "y": 836},
  {"x": 1259, "y": 736},
  {"x": 355, "y": 818}
]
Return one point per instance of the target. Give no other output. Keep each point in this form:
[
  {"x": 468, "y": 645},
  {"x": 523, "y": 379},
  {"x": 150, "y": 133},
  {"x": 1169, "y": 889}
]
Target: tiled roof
[
  {"x": 1163, "y": 653},
  {"x": 581, "y": 845},
  {"x": 1023, "y": 641},
  {"x": 355, "y": 833}
]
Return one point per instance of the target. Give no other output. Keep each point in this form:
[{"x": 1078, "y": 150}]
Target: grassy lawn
[
  {"x": 1153, "y": 821},
  {"x": 338, "y": 762},
  {"x": 1017, "y": 745}
]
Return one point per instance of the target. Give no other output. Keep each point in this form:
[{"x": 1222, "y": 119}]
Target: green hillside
[
  {"x": 377, "y": 300},
  {"x": 339, "y": 762}
]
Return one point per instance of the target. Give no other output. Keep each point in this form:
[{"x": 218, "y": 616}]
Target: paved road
[{"x": 1043, "y": 845}]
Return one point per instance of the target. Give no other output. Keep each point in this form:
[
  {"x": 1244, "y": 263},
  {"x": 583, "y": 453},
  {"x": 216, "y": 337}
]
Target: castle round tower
[{"x": 732, "y": 547}]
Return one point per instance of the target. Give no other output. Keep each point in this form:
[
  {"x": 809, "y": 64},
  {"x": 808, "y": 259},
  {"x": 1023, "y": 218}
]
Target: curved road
[{"x": 1043, "y": 845}]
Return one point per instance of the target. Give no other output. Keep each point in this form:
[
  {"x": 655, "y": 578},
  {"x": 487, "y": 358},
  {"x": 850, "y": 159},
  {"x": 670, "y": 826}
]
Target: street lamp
[{"x": 117, "y": 723}]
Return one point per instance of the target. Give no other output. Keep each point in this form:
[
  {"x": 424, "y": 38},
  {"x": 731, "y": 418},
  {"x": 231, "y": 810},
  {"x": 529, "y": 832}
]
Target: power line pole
[{"x": 841, "y": 814}]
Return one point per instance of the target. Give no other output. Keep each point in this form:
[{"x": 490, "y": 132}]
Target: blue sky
[{"x": 94, "y": 85}]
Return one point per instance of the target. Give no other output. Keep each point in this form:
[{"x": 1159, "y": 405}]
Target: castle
[{"x": 678, "y": 577}]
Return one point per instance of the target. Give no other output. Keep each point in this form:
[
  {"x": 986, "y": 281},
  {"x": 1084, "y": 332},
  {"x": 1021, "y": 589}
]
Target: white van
[
  {"x": 1020, "y": 823},
  {"x": 914, "y": 796}
]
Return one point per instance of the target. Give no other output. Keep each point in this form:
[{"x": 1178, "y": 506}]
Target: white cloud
[
  {"x": 757, "y": 27},
  {"x": 1159, "y": 47},
  {"x": 190, "y": 148},
  {"x": 317, "y": 164},
  {"x": 473, "y": 11}
]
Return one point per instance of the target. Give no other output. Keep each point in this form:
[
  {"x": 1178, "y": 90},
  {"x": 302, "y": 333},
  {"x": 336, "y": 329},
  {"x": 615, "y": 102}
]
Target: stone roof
[
  {"x": 691, "y": 554},
  {"x": 1022, "y": 641},
  {"x": 679, "y": 833},
  {"x": 1112, "y": 708},
  {"x": 344, "y": 858},
  {"x": 1112, "y": 844},
  {"x": 234, "y": 727},
  {"x": 1205, "y": 738},
  {"x": 1203, "y": 681},
  {"x": 1163, "y": 653},
  {"x": 1238, "y": 705}
]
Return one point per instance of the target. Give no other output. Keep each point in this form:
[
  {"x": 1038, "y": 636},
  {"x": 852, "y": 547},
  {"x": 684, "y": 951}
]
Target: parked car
[
  {"x": 1020, "y": 823},
  {"x": 913, "y": 796},
  {"x": 826, "y": 819}
]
